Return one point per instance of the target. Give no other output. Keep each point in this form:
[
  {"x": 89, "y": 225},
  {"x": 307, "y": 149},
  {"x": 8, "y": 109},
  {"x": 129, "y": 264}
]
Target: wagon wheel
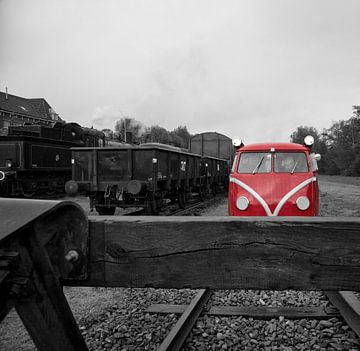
[
  {"x": 28, "y": 189},
  {"x": 181, "y": 199},
  {"x": 51, "y": 189}
]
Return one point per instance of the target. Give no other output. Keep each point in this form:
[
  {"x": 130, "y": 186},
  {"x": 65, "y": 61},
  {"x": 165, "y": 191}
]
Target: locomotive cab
[{"x": 274, "y": 179}]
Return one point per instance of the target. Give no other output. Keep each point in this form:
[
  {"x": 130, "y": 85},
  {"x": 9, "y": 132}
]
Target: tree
[
  {"x": 157, "y": 134},
  {"x": 126, "y": 125},
  {"x": 319, "y": 145},
  {"x": 182, "y": 135},
  {"x": 343, "y": 140},
  {"x": 302, "y": 131},
  {"x": 109, "y": 134}
]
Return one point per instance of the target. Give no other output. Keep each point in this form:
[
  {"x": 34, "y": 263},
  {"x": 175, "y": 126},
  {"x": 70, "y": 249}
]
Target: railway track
[
  {"x": 346, "y": 303},
  {"x": 174, "y": 210}
]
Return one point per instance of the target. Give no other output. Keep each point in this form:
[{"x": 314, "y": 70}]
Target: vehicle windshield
[
  {"x": 261, "y": 162},
  {"x": 290, "y": 162},
  {"x": 255, "y": 162}
]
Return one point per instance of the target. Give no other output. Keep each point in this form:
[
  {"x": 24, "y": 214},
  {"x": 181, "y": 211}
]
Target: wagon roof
[
  {"x": 276, "y": 146},
  {"x": 142, "y": 147}
]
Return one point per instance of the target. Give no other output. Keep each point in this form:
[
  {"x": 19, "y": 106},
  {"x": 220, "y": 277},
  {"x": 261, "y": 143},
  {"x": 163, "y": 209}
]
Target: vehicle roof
[{"x": 276, "y": 146}]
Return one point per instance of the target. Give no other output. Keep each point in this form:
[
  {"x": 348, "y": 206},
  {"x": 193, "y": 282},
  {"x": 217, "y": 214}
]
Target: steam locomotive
[{"x": 36, "y": 159}]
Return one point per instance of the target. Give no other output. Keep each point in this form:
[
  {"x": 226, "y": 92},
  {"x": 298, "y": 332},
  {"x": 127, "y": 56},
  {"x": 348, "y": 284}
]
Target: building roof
[{"x": 38, "y": 107}]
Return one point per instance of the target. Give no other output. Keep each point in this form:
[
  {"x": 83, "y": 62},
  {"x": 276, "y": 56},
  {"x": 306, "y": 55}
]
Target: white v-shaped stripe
[{"x": 281, "y": 203}]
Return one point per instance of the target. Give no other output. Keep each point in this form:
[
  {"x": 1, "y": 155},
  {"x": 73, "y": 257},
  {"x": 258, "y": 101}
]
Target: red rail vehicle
[{"x": 274, "y": 179}]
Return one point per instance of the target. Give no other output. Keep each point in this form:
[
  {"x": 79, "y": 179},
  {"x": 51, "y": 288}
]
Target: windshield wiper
[
  {"x": 293, "y": 169},
  {"x": 258, "y": 165}
]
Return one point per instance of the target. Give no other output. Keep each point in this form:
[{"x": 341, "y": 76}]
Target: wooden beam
[{"x": 316, "y": 253}]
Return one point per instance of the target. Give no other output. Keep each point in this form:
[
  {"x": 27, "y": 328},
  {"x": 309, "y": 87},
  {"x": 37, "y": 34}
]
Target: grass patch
[{"x": 339, "y": 179}]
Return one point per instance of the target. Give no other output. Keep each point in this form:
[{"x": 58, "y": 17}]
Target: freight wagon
[
  {"x": 143, "y": 176},
  {"x": 212, "y": 144}
]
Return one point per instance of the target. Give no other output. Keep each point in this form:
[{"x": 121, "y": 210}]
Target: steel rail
[
  {"x": 349, "y": 306},
  {"x": 178, "y": 334},
  {"x": 258, "y": 312}
]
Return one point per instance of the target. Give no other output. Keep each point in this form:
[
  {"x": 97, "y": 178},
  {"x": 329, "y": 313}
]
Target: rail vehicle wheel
[
  {"x": 105, "y": 211},
  {"x": 181, "y": 199},
  {"x": 28, "y": 189},
  {"x": 51, "y": 189}
]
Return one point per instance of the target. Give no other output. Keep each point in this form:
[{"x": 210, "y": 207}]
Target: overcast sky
[{"x": 256, "y": 69}]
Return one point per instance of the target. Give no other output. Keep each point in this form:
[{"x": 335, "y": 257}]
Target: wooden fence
[{"x": 47, "y": 244}]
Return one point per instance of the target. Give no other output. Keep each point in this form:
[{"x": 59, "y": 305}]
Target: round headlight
[
  {"x": 237, "y": 142},
  {"x": 303, "y": 203},
  {"x": 2, "y": 175},
  {"x": 242, "y": 203},
  {"x": 309, "y": 140}
]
